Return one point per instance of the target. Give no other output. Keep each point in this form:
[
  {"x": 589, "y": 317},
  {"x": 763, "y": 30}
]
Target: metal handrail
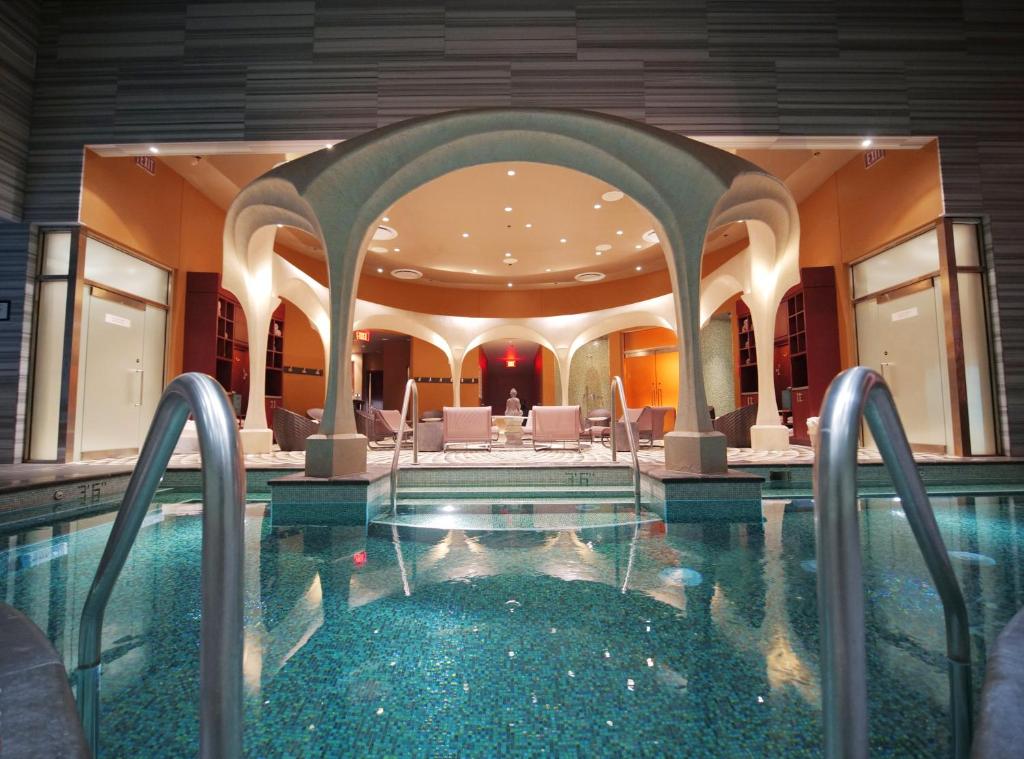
[
  {"x": 617, "y": 390},
  {"x": 221, "y": 641},
  {"x": 411, "y": 391},
  {"x": 855, "y": 393}
]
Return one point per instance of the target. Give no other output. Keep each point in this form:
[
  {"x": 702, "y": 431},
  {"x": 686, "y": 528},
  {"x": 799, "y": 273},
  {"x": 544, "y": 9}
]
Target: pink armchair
[
  {"x": 467, "y": 425},
  {"x": 556, "y": 424}
]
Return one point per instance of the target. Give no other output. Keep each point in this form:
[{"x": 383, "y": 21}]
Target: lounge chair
[
  {"x": 662, "y": 419},
  {"x": 736, "y": 426},
  {"x": 467, "y": 425},
  {"x": 291, "y": 429},
  {"x": 556, "y": 424}
]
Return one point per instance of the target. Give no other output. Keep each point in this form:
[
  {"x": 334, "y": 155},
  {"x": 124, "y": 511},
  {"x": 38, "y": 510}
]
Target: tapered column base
[{"x": 698, "y": 452}]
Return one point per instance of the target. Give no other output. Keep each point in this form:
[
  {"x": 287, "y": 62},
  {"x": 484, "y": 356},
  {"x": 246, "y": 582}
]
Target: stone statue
[{"x": 512, "y": 406}]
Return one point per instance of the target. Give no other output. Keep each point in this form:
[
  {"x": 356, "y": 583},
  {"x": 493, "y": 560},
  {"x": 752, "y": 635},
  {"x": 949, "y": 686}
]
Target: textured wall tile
[
  {"x": 249, "y": 31},
  {"x": 285, "y": 102},
  {"x": 647, "y": 30},
  {"x": 418, "y": 89},
  {"x": 737, "y": 97},
  {"x": 368, "y": 30},
  {"x": 616, "y": 87},
  {"x": 782, "y": 28},
  {"x": 496, "y": 29}
]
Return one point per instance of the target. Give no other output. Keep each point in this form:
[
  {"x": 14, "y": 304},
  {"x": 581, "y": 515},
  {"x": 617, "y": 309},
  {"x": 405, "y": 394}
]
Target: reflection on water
[{"x": 687, "y": 639}]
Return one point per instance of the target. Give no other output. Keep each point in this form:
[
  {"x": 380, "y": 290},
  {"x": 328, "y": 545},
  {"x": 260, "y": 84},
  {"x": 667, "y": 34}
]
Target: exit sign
[
  {"x": 871, "y": 157},
  {"x": 362, "y": 335},
  {"x": 146, "y": 162}
]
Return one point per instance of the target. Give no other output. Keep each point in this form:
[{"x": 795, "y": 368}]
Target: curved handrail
[
  {"x": 221, "y": 646},
  {"x": 618, "y": 394},
  {"x": 855, "y": 393},
  {"x": 411, "y": 391}
]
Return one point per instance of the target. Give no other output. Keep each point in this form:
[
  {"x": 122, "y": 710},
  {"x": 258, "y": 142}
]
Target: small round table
[{"x": 599, "y": 429}]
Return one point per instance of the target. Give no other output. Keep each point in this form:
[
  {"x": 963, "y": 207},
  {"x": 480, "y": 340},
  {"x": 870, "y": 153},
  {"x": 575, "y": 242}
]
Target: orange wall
[
  {"x": 858, "y": 210},
  {"x": 653, "y": 337},
  {"x": 426, "y": 360},
  {"x": 302, "y": 348}
]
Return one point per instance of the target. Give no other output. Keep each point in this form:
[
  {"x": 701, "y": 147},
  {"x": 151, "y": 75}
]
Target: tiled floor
[{"x": 590, "y": 455}]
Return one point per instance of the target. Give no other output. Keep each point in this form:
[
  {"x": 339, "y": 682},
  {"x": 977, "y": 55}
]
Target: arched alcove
[{"x": 339, "y": 194}]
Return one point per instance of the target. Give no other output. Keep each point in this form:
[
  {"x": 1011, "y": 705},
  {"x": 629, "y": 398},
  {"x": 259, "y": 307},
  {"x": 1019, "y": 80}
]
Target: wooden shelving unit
[
  {"x": 797, "y": 333},
  {"x": 216, "y": 341},
  {"x": 747, "y": 359}
]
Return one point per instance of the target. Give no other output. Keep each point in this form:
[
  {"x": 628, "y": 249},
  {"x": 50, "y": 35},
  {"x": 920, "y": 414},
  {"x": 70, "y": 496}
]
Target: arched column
[
  {"x": 693, "y": 445},
  {"x": 564, "y": 360},
  {"x": 455, "y": 362}
]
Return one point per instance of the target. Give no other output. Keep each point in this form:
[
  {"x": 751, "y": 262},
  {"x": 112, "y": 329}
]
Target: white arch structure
[{"x": 338, "y": 194}]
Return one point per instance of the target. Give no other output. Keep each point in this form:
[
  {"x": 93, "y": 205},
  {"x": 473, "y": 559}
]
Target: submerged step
[
  {"x": 538, "y": 521},
  {"x": 516, "y": 503},
  {"x": 519, "y": 493}
]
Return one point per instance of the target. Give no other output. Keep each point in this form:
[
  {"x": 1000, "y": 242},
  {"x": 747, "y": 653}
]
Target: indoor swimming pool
[{"x": 640, "y": 637}]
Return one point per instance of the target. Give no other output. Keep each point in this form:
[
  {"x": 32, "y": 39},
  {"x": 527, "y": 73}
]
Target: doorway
[
  {"x": 901, "y": 335},
  {"x": 122, "y": 371}
]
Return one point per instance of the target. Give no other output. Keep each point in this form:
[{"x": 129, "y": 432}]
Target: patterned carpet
[{"x": 526, "y": 456}]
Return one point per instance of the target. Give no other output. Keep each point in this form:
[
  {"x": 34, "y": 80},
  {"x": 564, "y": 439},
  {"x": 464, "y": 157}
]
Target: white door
[
  {"x": 122, "y": 372},
  {"x": 899, "y": 335}
]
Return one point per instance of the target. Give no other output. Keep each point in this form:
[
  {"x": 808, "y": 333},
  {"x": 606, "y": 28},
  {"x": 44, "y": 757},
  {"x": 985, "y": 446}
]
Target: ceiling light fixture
[
  {"x": 547, "y": 270},
  {"x": 507, "y": 254},
  {"x": 638, "y": 247},
  {"x": 385, "y": 218},
  {"x": 866, "y": 142},
  {"x": 473, "y": 270},
  {"x": 508, "y": 209},
  {"x": 612, "y": 195},
  {"x": 465, "y": 234},
  {"x": 329, "y": 146},
  {"x": 511, "y": 172},
  {"x": 563, "y": 240},
  {"x": 618, "y": 232},
  {"x": 280, "y": 225},
  {"x": 380, "y": 271},
  {"x": 639, "y": 268},
  {"x": 510, "y": 284},
  {"x": 398, "y": 250},
  {"x": 598, "y": 252},
  {"x": 154, "y": 149},
  {"x": 597, "y": 206},
  {"x": 529, "y": 226}
]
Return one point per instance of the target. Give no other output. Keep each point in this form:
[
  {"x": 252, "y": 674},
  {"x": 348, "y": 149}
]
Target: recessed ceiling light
[
  {"x": 328, "y": 146},
  {"x": 511, "y": 172},
  {"x": 638, "y": 246},
  {"x": 473, "y": 270},
  {"x": 508, "y": 209},
  {"x": 529, "y": 226},
  {"x": 612, "y": 195},
  {"x": 866, "y": 142},
  {"x": 547, "y": 270},
  {"x": 639, "y": 268},
  {"x": 618, "y": 232},
  {"x": 378, "y": 249},
  {"x": 154, "y": 149},
  {"x": 597, "y": 206},
  {"x": 280, "y": 225},
  {"x": 380, "y": 271},
  {"x": 510, "y": 261},
  {"x": 386, "y": 218},
  {"x": 465, "y": 234},
  {"x": 603, "y": 246},
  {"x": 398, "y": 250},
  {"x": 507, "y": 254},
  {"x": 598, "y": 252},
  {"x": 510, "y": 284},
  {"x": 563, "y": 240},
  {"x": 589, "y": 276},
  {"x": 406, "y": 273}
]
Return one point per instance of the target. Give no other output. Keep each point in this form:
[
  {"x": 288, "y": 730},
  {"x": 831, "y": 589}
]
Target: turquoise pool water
[{"x": 684, "y": 639}]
